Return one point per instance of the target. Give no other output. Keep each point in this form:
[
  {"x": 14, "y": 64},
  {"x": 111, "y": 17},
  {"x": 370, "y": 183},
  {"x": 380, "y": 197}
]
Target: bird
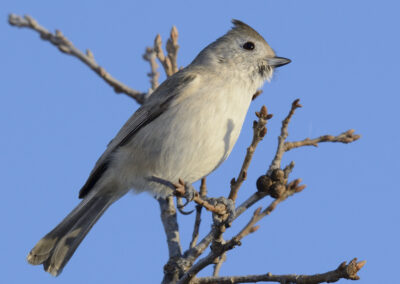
[{"x": 184, "y": 130}]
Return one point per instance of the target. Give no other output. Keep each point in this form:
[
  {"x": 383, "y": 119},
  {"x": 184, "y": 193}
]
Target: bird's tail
[{"x": 56, "y": 248}]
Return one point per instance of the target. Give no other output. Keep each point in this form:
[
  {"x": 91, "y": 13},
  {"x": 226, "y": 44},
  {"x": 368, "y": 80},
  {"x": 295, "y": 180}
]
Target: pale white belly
[{"x": 188, "y": 141}]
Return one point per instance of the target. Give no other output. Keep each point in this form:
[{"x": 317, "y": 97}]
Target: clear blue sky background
[{"x": 56, "y": 117}]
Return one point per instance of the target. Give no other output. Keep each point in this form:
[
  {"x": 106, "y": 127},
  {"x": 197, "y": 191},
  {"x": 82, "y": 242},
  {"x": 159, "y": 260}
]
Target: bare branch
[
  {"x": 172, "y": 49},
  {"x": 218, "y": 264},
  {"x": 345, "y": 137},
  {"x": 344, "y": 271},
  {"x": 67, "y": 47},
  {"x": 259, "y": 131},
  {"x": 219, "y": 247},
  {"x": 254, "y": 198},
  {"x": 281, "y": 195},
  {"x": 194, "y": 269},
  {"x": 193, "y": 253},
  {"x": 276, "y": 162},
  {"x": 203, "y": 187},
  {"x": 195, "y": 235},
  {"x": 276, "y": 189},
  {"x": 169, "y": 62},
  {"x": 154, "y": 75},
  {"x": 168, "y": 217},
  {"x": 196, "y": 228},
  {"x": 250, "y": 228}
]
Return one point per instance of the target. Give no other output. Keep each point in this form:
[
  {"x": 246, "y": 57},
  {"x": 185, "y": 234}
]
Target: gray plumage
[{"x": 186, "y": 129}]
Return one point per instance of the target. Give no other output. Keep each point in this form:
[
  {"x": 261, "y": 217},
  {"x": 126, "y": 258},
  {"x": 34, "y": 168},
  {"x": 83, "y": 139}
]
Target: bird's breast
[{"x": 192, "y": 138}]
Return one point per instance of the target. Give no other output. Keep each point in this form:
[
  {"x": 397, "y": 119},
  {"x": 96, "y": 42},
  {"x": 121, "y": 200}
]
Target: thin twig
[
  {"x": 203, "y": 187},
  {"x": 168, "y": 62},
  {"x": 259, "y": 131},
  {"x": 196, "y": 228},
  {"x": 218, "y": 265},
  {"x": 172, "y": 48},
  {"x": 345, "y": 137},
  {"x": 344, "y": 271},
  {"x": 195, "y": 235},
  {"x": 289, "y": 190},
  {"x": 276, "y": 162},
  {"x": 67, "y": 47},
  {"x": 154, "y": 75}
]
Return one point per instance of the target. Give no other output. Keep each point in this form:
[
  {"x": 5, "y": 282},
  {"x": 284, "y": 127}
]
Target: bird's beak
[{"x": 278, "y": 61}]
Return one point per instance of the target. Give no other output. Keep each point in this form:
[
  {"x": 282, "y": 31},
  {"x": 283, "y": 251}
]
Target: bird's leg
[
  {"x": 224, "y": 208},
  {"x": 187, "y": 191}
]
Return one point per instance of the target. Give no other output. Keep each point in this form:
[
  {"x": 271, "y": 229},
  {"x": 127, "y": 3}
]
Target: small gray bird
[{"x": 186, "y": 129}]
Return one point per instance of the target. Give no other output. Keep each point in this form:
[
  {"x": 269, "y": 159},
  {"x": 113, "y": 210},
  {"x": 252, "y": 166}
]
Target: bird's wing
[{"x": 156, "y": 105}]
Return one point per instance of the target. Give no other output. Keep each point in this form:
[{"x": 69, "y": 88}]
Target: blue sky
[{"x": 56, "y": 117}]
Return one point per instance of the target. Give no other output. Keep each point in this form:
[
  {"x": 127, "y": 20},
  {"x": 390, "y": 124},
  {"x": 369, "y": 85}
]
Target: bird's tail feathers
[{"x": 56, "y": 248}]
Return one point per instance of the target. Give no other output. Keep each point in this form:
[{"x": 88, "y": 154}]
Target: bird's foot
[
  {"x": 223, "y": 208},
  {"x": 187, "y": 191}
]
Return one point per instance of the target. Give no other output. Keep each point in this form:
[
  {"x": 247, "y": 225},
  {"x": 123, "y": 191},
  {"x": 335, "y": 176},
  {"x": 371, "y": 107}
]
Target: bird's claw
[
  {"x": 180, "y": 206},
  {"x": 223, "y": 209},
  {"x": 187, "y": 191}
]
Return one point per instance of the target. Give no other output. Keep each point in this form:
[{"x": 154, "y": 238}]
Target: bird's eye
[{"x": 249, "y": 45}]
